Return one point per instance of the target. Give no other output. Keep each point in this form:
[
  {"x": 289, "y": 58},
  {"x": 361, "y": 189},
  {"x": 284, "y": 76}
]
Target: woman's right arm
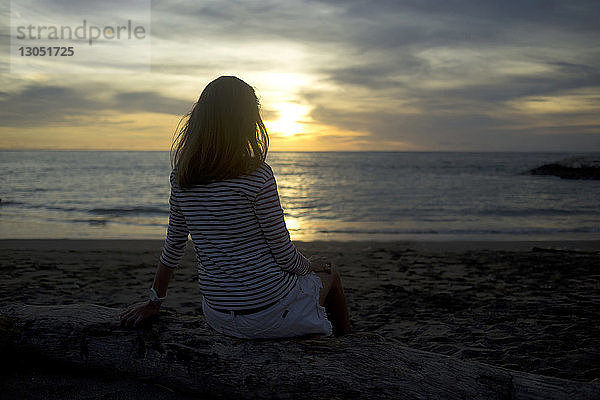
[
  {"x": 177, "y": 236},
  {"x": 139, "y": 312}
]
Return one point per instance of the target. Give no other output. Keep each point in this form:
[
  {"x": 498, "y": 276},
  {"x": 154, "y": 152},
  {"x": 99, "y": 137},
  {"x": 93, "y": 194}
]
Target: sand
[{"x": 526, "y": 306}]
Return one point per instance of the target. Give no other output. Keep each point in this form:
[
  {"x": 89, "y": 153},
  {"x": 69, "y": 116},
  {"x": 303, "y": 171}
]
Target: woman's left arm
[{"x": 139, "y": 312}]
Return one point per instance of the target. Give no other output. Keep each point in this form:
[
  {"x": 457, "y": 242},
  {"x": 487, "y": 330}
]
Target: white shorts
[{"x": 297, "y": 314}]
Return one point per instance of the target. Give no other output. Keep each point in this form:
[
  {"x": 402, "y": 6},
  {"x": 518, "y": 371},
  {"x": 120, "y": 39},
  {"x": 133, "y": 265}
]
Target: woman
[{"x": 254, "y": 282}]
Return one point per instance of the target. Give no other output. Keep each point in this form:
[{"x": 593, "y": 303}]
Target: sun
[{"x": 290, "y": 119}]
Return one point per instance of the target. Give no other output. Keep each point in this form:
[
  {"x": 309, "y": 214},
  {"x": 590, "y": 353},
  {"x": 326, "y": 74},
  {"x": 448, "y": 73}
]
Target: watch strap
[{"x": 154, "y": 295}]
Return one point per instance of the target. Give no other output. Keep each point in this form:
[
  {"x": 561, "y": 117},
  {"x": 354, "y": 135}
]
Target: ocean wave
[
  {"x": 508, "y": 231},
  {"x": 90, "y": 221},
  {"x": 528, "y": 212},
  {"x": 139, "y": 210},
  {"x": 104, "y": 211},
  {"x": 106, "y": 221},
  {"x": 11, "y": 203},
  {"x": 55, "y": 208}
]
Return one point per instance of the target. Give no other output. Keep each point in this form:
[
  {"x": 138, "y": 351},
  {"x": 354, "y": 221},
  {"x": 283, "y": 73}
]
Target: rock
[{"x": 571, "y": 168}]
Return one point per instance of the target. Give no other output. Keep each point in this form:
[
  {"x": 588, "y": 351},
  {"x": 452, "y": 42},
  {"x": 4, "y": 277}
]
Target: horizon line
[{"x": 319, "y": 151}]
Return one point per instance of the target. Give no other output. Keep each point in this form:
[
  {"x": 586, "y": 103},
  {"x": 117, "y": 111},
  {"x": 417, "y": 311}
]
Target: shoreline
[{"x": 422, "y": 245}]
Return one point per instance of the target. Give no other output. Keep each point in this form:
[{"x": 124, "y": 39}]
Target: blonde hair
[{"x": 223, "y": 135}]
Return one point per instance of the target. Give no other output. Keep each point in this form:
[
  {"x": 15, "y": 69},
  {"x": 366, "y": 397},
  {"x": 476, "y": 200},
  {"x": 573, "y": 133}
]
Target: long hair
[{"x": 223, "y": 135}]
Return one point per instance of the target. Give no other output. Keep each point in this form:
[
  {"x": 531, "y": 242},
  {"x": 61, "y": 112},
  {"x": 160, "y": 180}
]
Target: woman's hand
[
  {"x": 136, "y": 314},
  {"x": 319, "y": 264}
]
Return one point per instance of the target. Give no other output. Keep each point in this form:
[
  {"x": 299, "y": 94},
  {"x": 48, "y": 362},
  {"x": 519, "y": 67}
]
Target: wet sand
[{"x": 526, "y": 306}]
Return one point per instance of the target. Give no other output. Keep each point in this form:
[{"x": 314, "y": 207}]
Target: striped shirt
[{"x": 245, "y": 256}]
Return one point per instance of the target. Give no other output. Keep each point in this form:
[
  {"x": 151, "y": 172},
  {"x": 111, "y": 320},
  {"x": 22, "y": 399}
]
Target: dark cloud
[
  {"x": 148, "y": 101},
  {"x": 477, "y": 132},
  {"x": 37, "y": 105},
  {"x": 40, "y": 105},
  {"x": 374, "y": 24},
  {"x": 440, "y": 74},
  {"x": 474, "y": 118},
  {"x": 471, "y": 111},
  {"x": 380, "y": 74}
]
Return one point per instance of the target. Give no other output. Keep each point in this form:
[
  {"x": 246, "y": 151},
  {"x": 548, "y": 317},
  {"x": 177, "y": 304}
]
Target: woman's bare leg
[{"x": 332, "y": 297}]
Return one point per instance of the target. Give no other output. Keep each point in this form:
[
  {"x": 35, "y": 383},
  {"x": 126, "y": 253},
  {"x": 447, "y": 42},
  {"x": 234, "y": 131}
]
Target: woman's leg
[{"x": 332, "y": 297}]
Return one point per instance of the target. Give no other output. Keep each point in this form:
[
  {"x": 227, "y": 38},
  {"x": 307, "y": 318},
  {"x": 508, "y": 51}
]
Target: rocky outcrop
[{"x": 571, "y": 168}]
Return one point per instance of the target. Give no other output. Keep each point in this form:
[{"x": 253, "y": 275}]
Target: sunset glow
[
  {"x": 376, "y": 76},
  {"x": 289, "y": 121}
]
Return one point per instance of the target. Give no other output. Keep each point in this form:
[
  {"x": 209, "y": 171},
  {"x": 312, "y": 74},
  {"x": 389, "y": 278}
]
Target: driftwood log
[{"x": 187, "y": 355}]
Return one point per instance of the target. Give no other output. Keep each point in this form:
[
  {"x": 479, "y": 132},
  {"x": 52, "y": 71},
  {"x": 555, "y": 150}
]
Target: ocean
[{"x": 341, "y": 196}]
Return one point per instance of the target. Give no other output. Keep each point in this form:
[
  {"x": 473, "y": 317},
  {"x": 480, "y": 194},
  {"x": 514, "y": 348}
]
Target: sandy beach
[{"x": 526, "y": 306}]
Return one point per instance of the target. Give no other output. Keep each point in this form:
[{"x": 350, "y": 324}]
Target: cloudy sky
[{"x": 331, "y": 75}]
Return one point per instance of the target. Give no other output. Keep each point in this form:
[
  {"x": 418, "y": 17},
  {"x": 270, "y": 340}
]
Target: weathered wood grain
[{"x": 185, "y": 354}]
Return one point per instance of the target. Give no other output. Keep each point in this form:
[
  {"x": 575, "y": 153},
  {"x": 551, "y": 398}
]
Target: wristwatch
[{"x": 154, "y": 296}]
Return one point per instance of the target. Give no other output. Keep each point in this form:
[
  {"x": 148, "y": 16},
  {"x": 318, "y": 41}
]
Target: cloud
[
  {"x": 438, "y": 74},
  {"x": 453, "y": 83},
  {"x": 36, "y": 105},
  {"x": 149, "y": 101}
]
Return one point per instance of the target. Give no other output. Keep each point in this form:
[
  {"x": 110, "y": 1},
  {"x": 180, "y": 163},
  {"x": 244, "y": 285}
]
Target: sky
[{"x": 377, "y": 75}]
